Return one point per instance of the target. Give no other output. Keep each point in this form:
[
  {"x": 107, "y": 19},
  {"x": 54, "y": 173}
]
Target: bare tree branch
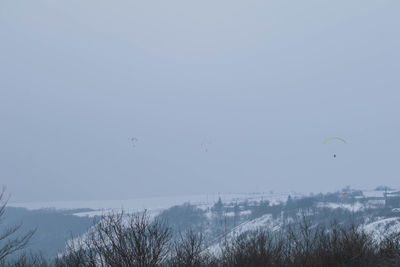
[{"x": 8, "y": 243}]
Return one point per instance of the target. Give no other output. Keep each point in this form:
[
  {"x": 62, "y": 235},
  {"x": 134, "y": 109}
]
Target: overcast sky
[{"x": 260, "y": 84}]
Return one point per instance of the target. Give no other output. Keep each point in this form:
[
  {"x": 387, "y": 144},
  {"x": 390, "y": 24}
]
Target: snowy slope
[
  {"x": 261, "y": 223},
  {"x": 383, "y": 227}
]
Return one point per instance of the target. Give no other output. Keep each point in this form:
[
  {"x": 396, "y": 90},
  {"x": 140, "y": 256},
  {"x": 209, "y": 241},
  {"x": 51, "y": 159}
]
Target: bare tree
[
  {"x": 190, "y": 251},
  {"x": 28, "y": 260},
  {"x": 10, "y": 241},
  {"x": 120, "y": 239}
]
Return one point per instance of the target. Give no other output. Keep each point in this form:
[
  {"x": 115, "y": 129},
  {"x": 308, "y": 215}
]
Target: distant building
[
  {"x": 345, "y": 197},
  {"x": 392, "y": 199},
  {"x": 351, "y": 196},
  {"x": 375, "y": 202}
]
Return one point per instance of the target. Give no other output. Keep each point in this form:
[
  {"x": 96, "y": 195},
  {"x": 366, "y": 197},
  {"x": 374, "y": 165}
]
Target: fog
[{"x": 221, "y": 96}]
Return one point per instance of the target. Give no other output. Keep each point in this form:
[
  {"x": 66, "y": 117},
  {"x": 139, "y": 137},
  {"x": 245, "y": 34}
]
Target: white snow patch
[
  {"x": 357, "y": 206},
  {"x": 265, "y": 222}
]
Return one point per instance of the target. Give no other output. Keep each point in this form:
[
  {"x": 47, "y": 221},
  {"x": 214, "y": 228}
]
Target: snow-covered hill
[{"x": 383, "y": 227}]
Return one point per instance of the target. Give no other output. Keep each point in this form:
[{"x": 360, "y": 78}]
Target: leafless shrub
[
  {"x": 28, "y": 260},
  {"x": 305, "y": 244},
  {"x": 389, "y": 250},
  {"x": 313, "y": 245},
  {"x": 189, "y": 251},
  {"x": 120, "y": 239},
  {"x": 256, "y": 248},
  {"x": 10, "y": 241}
]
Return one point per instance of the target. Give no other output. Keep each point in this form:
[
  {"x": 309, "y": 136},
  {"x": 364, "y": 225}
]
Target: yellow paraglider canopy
[{"x": 333, "y": 138}]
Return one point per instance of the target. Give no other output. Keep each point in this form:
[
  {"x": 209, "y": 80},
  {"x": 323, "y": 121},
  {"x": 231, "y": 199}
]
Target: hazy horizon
[{"x": 222, "y": 96}]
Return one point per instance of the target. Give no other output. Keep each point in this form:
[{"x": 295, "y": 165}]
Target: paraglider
[
  {"x": 204, "y": 147},
  {"x": 334, "y": 138},
  {"x": 134, "y": 140},
  {"x": 205, "y": 144}
]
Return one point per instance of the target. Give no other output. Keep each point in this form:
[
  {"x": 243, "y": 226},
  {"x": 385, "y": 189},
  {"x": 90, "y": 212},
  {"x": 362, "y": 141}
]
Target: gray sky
[{"x": 263, "y": 83}]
